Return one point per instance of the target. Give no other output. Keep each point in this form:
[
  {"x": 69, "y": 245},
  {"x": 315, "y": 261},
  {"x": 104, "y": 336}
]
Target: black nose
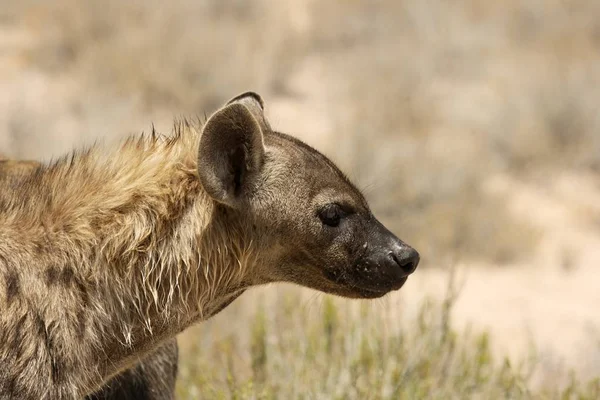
[{"x": 406, "y": 257}]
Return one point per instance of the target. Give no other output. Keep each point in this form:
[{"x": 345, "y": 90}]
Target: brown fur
[
  {"x": 107, "y": 254},
  {"x": 154, "y": 377}
]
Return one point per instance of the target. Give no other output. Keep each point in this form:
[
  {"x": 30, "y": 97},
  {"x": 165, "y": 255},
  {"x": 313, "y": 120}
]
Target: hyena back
[{"x": 106, "y": 255}]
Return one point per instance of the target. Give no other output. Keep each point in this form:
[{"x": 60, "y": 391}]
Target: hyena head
[{"x": 310, "y": 224}]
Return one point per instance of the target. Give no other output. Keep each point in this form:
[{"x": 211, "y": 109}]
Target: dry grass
[
  {"x": 187, "y": 56},
  {"x": 295, "y": 348}
]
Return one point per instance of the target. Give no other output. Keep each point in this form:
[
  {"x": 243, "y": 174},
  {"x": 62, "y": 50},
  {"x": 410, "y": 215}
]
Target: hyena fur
[{"x": 153, "y": 378}]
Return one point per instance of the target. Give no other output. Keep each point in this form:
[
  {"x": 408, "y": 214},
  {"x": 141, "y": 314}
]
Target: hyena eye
[{"x": 331, "y": 214}]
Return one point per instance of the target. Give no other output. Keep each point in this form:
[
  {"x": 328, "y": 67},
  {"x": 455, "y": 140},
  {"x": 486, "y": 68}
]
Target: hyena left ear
[{"x": 232, "y": 151}]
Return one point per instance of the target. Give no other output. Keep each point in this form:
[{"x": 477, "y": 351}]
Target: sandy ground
[{"x": 550, "y": 300}]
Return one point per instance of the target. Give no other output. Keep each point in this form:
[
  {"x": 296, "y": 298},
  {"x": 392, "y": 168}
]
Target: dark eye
[{"x": 331, "y": 215}]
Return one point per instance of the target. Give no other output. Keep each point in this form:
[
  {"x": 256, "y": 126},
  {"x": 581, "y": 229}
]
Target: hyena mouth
[
  {"x": 374, "y": 292},
  {"x": 365, "y": 290}
]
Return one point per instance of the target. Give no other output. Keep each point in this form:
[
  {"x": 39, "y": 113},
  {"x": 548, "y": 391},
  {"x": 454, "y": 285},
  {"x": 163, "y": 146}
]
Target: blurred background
[{"x": 473, "y": 128}]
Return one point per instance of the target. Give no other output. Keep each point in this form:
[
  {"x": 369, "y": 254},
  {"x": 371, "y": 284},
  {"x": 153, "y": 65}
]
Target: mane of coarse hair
[
  {"x": 137, "y": 156},
  {"x": 135, "y": 212}
]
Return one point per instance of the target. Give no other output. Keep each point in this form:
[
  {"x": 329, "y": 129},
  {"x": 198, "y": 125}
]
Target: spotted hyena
[{"x": 106, "y": 254}]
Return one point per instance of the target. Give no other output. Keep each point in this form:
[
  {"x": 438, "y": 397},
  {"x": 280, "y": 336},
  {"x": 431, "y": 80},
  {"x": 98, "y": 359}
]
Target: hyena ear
[{"x": 232, "y": 151}]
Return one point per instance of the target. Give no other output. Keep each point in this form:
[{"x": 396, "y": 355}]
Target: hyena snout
[
  {"x": 386, "y": 263},
  {"x": 388, "y": 267}
]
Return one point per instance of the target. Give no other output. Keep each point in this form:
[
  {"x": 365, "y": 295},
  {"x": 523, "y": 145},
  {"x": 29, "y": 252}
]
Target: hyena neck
[{"x": 136, "y": 234}]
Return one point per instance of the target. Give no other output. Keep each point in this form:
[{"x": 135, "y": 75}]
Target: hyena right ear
[{"x": 231, "y": 152}]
